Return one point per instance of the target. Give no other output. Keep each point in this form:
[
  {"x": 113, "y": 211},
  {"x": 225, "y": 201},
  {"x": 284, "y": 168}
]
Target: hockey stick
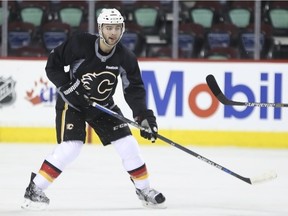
[
  {"x": 214, "y": 87},
  {"x": 258, "y": 179}
]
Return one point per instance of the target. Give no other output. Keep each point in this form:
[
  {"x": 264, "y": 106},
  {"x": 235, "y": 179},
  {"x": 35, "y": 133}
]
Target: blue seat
[
  {"x": 247, "y": 42},
  {"x": 190, "y": 40},
  {"x": 53, "y": 39},
  {"x": 18, "y": 39},
  {"x": 186, "y": 45},
  {"x": 20, "y": 34},
  {"x": 133, "y": 38},
  {"x": 54, "y": 33},
  {"x": 218, "y": 40},
  {"x": 221, "y": 35},
  {"x": 130, "y": 40}
]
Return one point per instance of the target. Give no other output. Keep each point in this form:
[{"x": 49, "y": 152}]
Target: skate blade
[
  {"x": 34, "y": 206},
  {"x": 154, "y": 206}
]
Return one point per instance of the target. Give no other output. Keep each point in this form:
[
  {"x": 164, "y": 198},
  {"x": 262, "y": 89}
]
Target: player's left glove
[{"x": 148, "y": 121}]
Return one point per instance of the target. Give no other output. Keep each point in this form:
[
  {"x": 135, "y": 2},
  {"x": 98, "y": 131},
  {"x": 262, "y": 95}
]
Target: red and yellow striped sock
[
  {"x": 139, "y": 177},
  {"x": 49, "y": 171}
]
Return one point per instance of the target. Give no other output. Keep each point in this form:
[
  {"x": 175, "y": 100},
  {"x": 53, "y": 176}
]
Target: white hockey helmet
[{"x": 110, "y": 16}]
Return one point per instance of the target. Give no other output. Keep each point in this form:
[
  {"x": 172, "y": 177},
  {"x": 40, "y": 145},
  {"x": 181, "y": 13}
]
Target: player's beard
[{"x": 111, "y": 41}]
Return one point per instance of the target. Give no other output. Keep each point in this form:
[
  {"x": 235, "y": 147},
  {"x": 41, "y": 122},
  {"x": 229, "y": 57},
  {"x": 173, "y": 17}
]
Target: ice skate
[
  {"x": 151, "y": 198},
  {"x": 34, "y": 197}
]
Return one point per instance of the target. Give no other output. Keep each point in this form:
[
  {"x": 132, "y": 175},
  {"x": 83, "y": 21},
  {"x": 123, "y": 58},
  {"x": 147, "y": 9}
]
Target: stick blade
[
  {"x": 211, "y": 81},
  {"x": 215, "y": 89},
  {"x": 268, "y": 176}
]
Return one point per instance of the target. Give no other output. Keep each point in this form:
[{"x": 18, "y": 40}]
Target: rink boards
[{"x": 185, "y": 109}]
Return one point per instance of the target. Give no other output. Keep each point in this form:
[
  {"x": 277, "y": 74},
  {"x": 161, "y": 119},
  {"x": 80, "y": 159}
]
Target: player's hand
[
  {"x": 74, "y": 94},
  {"x": 147, "y": 120}
]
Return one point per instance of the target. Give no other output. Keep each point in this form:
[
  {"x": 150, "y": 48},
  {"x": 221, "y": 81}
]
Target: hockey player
[{"x": 95, "y": 63}]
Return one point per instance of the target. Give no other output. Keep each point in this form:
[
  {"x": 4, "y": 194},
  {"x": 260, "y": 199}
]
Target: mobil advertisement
[
  {"x": 186, "y": 110},
  {"x": 178, "y": 93}
]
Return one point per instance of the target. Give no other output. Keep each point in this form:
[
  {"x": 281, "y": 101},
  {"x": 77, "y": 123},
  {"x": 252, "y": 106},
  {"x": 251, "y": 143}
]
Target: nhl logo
[{"x": 7, "y": 91}]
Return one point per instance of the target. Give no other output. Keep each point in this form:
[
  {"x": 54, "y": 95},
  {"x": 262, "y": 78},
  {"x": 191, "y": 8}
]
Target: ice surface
[{"x": 96, "y": 183}]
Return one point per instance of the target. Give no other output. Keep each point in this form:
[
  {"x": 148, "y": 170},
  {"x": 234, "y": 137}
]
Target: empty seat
[
  {"x": 20, "y": 34},
  {"x": 72, "y": 12},
  {"x": 247, "y": 42},
  {"x": 190, "y": 40},
  {"x": 240, "y": 13},
  {"x": 221, "y": 35},
  {"x": 133, "y": 38},
  {"x": 149, "y": 16},
  {"x": 54, "y": 33},
  {"x": 278, "y": 14},
  {"x": 277, "y": 17},
  {"x": 205, "y": 13},
  {"x": 35, "y": 12}
]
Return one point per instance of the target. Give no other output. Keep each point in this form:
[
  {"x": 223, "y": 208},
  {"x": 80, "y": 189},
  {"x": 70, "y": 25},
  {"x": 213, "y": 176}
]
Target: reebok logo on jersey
[{"x": 112, "y": 67}]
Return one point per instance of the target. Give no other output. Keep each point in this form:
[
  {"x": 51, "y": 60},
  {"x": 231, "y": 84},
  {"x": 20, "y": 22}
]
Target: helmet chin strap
[{"x": 103, "y": 39}]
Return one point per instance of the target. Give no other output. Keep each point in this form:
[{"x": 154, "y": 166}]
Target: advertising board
[{"x": 177, "y": 92}]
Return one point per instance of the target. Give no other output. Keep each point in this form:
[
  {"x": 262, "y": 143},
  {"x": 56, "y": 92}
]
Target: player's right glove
[
  {"x": 74, "y": 94},
  {"x": 148, "y": 121}
]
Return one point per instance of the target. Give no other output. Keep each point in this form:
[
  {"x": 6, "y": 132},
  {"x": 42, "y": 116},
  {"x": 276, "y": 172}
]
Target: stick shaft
[{"x": 168, "y": 141}]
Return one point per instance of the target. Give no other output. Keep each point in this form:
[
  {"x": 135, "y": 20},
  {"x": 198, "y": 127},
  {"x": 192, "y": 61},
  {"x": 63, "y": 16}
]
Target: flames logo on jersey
[{"x": 100, "y": 85}]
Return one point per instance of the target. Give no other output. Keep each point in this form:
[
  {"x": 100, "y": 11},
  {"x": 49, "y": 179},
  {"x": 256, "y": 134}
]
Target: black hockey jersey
[{"x": 97, "y": 72}]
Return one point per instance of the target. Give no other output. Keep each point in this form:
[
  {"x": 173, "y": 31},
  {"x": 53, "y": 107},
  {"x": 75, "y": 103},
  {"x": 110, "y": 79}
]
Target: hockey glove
[
  {"x": 147, "y": 120},
  {"x": 74, "y": 94}
]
